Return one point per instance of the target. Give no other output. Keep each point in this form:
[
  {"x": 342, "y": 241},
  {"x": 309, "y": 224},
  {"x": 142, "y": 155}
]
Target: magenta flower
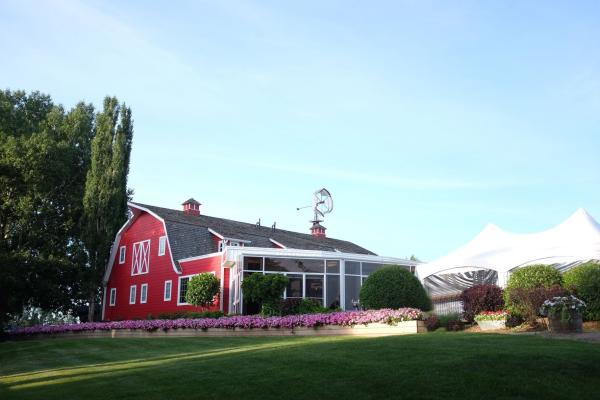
[{"x": 343, "y": 318}]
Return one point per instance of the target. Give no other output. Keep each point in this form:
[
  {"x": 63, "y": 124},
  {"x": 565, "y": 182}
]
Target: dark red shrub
[
  {"x": 432, "y": 323},
  {"x": 481, "y": 298},
  {"x": 529, "y": 301}
]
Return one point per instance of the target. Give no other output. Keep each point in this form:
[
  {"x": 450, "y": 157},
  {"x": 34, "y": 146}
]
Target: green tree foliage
[
  {"x": 44, "y": 155},
  {"x": 393, "y": 286},
  {"x": 106, "y": 194},
  {"x": 584, "y": 281},
  {"x": 526, "y": 278},
  {"x": 202, "y": 289},
  {"x": 266, "y": 290}
]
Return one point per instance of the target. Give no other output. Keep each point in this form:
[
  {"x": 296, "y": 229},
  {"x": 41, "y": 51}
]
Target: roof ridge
[
  {"x": 308, "y": 235},
  {"x": 227, "y": 227}
]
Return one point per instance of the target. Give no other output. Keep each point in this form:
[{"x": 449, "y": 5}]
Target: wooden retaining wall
[{"x": 370, "y": 330}]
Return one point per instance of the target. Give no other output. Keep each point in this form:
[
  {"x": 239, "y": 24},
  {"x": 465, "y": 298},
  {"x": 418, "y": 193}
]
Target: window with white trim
[
  {"x": 141, "y": 258},
  {"x": 228, "y": 242},
  {"x": 183, "y": 285},
  {"x": 113, "y": 296},
  {"x": 122, "y": 250},
  {"x": 144, "y": 293},
  {"x": 162, "y": 245},
  {"x": 132, "y": 294},
  {"x": 168, "y": 290}
]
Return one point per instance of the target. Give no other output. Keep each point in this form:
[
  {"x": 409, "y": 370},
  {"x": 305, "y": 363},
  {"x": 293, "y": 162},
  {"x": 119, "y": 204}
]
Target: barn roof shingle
[{"x": 189, "y": 235}]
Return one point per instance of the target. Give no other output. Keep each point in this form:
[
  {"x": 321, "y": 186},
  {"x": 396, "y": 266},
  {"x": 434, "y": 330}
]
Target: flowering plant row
[
  {"x": 564, "y": 306},
  {"x": 344, "y": 318},
  {"x": 492, "y": 315}
]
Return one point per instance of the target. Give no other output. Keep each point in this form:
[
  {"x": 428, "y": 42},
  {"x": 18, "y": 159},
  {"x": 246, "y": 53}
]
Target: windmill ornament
[{"x": 322, "y": 204}]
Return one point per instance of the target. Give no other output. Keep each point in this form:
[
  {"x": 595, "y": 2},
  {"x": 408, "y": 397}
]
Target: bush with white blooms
[{"x": 564, "y": 306}]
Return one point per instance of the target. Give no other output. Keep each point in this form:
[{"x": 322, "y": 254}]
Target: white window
[
  {"x": 168, "y": 289},
  {"x": 141, "y": 258},
  {"x": 122, "y": 250},
  {"x": 144, "y": 293},
  {"x": 183, "y": 285},
  {"x": 113, "y": 296},
  {"x": 227, "y": 242},
  {"x": 162, "y": 245},
  {"x": 132, "y": 294}
]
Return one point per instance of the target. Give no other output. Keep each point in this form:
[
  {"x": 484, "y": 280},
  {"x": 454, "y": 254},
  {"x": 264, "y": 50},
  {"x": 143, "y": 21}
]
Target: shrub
[
  {"x": 455, "y": 325},
  {"x": 584, "y": 281},
  {"x": 530, "y": 277},
  {"x": 302, "y": 306},
  {"x": 446, "y": 319},
  {"x": 432, "y": 323},
  {"x": 190, "y": 315},
  {"x": 393, "y": 287},
  {"x": 202, "y": 289},
  {"x": 265, "y": 290},
  {"x": 513, "y": 321},
  {"x": 481, "y": 298},
  {"x": 528, "y": 302}
]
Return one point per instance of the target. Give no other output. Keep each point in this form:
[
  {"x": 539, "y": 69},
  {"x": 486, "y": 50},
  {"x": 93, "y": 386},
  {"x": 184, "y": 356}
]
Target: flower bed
[
  {"x": 491, "y": 320},
  {"x": 290, "y": 322}
]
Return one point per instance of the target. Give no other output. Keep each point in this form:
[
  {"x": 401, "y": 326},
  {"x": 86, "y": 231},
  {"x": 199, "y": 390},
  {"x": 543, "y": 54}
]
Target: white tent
[{"x": 493, "y": 253}]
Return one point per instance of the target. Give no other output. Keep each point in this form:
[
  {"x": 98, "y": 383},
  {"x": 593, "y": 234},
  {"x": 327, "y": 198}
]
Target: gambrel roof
[{"x": 192, "y": 235}]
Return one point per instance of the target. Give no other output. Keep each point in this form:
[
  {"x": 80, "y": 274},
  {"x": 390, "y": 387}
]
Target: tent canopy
[{"x": 575, "y": 240}]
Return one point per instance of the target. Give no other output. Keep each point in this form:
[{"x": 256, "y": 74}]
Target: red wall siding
[
  {"x": 148, "y": 227},
  {"x": 211, "y": 264}
]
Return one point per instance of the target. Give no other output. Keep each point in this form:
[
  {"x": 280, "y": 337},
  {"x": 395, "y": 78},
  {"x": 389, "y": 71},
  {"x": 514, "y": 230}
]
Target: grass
[{"x": 429, "y": 366}]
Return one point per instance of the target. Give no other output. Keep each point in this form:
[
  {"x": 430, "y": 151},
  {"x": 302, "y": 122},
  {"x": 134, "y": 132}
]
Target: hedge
[
  {"x": 393, "y": 287},
  {"x": 529, "y": 277},
  {"x": 584, "y": 281}
]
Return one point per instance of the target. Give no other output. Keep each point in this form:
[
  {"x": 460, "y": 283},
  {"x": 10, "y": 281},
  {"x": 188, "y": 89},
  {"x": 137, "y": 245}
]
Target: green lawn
[{"x": 439, "y": 365}]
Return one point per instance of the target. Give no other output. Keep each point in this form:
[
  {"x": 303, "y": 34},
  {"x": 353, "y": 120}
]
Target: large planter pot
[
  {"x": 573, "y": 324},
  {"x": 491, "y": 325}
]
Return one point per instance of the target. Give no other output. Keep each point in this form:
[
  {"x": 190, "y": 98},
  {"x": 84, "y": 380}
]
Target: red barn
[{"x": 158, "y": 249}]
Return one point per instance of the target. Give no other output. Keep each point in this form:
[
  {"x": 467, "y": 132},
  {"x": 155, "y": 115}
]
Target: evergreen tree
[{"x": 106, "y": 194}]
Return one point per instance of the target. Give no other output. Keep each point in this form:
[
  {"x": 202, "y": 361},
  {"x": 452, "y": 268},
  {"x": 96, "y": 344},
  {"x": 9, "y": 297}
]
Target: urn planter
[
  {"x": 558, "y": 324},
  {"x": 492, "y": 325}
]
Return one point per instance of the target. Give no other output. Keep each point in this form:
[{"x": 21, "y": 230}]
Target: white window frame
[
  {"x": 133, "y": 260},
  {"x": 144, "y": 293},
  {"x": 229, "y": 242},
  {"x": 122, "y": 254},
  {"x": 168, "y": 283},
  {"x": 132, "y": 294},
  {"x": 162, "y": 245},
  {"x": 190, "y": 277},
  {"x": 113, "y": 297}
]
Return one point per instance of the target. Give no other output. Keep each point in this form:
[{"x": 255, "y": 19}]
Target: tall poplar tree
[{"x": 106, "y": 193}]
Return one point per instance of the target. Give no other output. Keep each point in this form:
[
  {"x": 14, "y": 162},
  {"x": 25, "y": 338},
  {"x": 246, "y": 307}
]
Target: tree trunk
[{"x": 92, "y": 308}]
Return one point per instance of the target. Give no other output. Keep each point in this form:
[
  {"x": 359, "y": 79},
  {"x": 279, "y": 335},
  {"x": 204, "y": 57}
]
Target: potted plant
[
  {"x": 564, "y": 313},
  {"x": 491, "y": 320}
]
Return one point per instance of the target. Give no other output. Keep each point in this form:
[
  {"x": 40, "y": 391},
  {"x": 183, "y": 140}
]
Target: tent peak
[{"x": 581, "y": 219}]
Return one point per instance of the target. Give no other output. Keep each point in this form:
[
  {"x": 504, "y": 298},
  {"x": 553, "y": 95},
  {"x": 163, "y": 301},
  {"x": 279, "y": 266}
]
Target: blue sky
[{"x": 426, "y": 120}]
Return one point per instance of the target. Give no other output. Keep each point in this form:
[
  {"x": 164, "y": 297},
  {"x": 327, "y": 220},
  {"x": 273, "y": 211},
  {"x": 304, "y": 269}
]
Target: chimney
[
  {"x": 317, "y": 230},
  {"x": 191, "y": 207}
]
